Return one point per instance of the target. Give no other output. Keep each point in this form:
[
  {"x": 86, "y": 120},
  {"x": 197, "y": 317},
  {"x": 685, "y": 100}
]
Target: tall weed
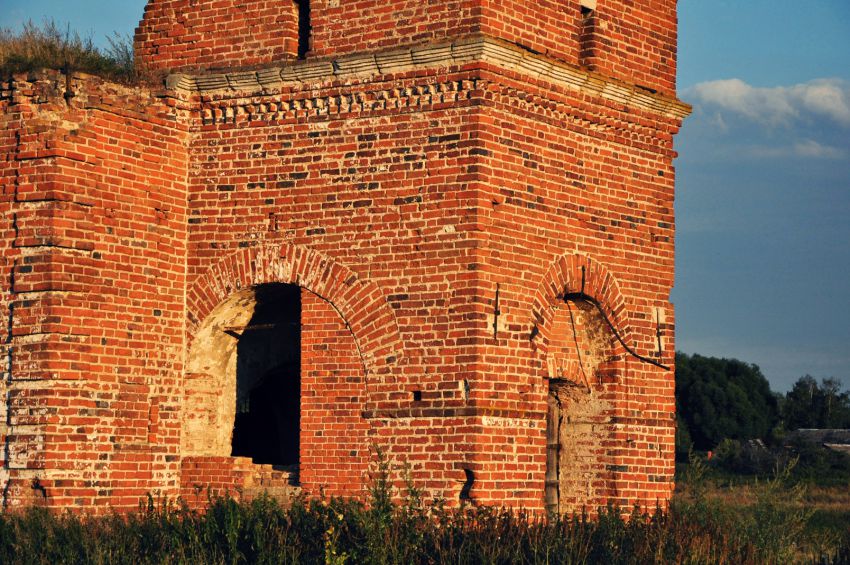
[
  {"x": 398, "y": 528},
  {"x": 49, "y": 45}
]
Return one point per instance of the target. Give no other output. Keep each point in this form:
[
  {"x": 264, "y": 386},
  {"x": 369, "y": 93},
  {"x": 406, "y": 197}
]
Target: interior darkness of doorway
[{"x": 268, "y": 378}]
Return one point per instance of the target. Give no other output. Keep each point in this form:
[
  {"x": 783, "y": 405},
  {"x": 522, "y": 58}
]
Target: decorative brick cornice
[{"x": 474, "y": 49}]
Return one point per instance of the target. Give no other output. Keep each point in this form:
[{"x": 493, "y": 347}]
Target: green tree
[
  {"x": 684, "y": 443},
  {"x": 812, "y": 405},
  {"x": 723, "y": 398}
]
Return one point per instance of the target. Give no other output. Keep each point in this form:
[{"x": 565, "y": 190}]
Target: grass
[
  {"x": 756, "y": 522},
  {"x": 339, "y": 532},
  {"x": 47, "y": 45},
  {"x": 786, "y": 513}
]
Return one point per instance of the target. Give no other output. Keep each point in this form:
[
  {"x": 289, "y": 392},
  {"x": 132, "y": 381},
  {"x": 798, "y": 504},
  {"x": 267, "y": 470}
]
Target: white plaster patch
[{"x": 498, "y": 422}]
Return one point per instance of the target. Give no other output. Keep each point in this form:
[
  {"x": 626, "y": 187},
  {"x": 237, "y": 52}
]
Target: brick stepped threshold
[
  {"x": 280, "y": 484},
  {"x": 205, "y": 476}
]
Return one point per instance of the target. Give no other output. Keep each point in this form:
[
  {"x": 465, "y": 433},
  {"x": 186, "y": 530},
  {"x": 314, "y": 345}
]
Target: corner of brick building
[
  {"x": 94, "y": 191},
  {"x": 438, "y": 182}
]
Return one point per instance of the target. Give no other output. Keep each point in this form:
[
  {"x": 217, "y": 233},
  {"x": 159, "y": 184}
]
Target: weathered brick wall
[
  {"x": 384, "y": 193},
  {"x": 436, "y": 204},
  {"x": 633, "y": 40},
  {"x": 334, "y": 435},
  {"x": 572, "y": 177},
  {"x": 348, "y": 27},
  {"x": 550, "y": 27},
  {"x": 10, "y": 125},
  {"x": 95, "y": 308},
  {"x": 191, "y": 34},
  {"x": 205, "y": 477}
]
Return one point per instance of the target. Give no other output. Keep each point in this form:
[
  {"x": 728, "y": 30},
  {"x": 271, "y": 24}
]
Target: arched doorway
[{"x": 275, "y": 383}]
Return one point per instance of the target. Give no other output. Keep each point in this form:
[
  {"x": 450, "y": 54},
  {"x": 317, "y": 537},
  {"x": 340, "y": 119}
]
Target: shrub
[
  {"x": 820, "y": 465},
  {"x": 807, "y": 461},
  {"x": 750, "y": 457}
]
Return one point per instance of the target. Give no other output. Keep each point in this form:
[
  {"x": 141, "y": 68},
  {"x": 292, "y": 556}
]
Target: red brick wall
[
  {"x": 437, "y": 204},
  {"x": 633, "y": 40},
  {"x": 560, "y": 190},
  {"x": 550, "y": 27},
  {"x": 623, "y": 39},
  {"x": 627, "y": 40},
  {"x": 204, "y": 478},
  {"x": 335, "y": 449},
  {"x": 191, "y": 34},
  {"x": 376, "y": 191},
  {"x": 383, "y": 193},
  {"x": 97, "y": 260},
  {"x": 10, "y": 125},
  {"x": 347, "y": 27}
]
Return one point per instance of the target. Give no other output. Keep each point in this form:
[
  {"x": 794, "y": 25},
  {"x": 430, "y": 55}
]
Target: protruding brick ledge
[
  {"x": 437, "y": 411},
  {"x": 459, "y": 52}
]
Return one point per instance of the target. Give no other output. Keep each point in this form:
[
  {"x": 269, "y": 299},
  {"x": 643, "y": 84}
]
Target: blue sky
[
  {"x": 763, "y": 185},
  {"x": 763, "y": 200}
]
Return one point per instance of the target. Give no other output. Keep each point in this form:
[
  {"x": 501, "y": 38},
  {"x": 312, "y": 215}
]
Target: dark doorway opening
[{"x": 268, "y": 378}]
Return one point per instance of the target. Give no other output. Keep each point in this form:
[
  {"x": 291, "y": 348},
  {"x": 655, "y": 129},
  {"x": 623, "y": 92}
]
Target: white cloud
[
  {"x": 808, "y": 148},
  {"x": 811, "y": 148},
  {"x": 823, "y": 98}
]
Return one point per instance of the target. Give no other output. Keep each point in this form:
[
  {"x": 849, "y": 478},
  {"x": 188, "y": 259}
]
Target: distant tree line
[{"x": 718, "y": 399}]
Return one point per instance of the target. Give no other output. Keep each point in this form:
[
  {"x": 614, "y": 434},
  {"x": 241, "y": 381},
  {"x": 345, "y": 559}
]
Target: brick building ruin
[{"x": 443, "y": 229}]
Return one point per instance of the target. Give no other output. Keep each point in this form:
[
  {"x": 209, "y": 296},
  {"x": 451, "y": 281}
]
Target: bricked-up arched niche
[
  {"x": 574, "y": 273},
  {"x": 582, "y": 362},
  {"x": 274, "y": 356}
]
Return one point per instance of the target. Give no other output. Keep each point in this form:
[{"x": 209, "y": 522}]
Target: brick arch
[
  {"x": 359, "y": 302},
  {"x": 563, "y": 276},
  {"x": 587, "y": 392}
]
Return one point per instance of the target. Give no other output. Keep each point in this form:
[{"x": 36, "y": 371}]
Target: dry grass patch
[{"x": 47, "y": 45}]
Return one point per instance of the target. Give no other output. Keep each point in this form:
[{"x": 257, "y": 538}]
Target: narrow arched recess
[{"x": 583, "y": 364}]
